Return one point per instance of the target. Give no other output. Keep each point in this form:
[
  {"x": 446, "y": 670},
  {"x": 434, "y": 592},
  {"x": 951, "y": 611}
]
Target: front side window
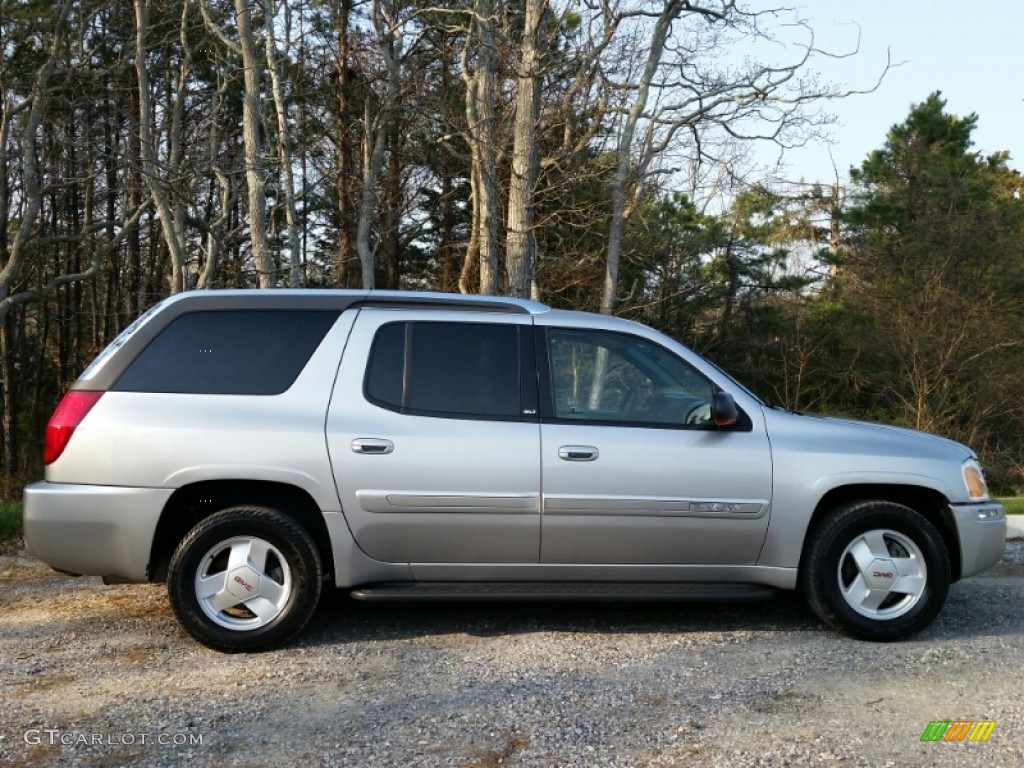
[
  {"x": 614, "y": 377},
  {"x": 446, "y": 369}
]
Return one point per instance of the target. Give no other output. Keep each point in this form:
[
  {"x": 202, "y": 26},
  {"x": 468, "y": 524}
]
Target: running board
[{"x": 531, "y": 590}]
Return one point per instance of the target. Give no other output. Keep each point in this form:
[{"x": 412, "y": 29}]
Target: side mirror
[{"x": 723, "y": 410}]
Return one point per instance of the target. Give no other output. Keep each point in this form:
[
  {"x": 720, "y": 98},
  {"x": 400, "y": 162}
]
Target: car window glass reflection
[{"x": 604, "y": 376}]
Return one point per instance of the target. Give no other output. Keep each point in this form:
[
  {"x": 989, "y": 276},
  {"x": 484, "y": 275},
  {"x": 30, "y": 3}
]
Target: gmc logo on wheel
[
  {"x": 876, "y": 574},
  {"x": 244, "y": 583}
]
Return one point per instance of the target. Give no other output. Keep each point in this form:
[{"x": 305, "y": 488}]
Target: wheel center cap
[
  {"x": 881, "y": 574},
  {"x": 243, "y": 583}
]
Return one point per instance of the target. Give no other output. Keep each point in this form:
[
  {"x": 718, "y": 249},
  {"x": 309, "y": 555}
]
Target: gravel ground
[{"x": 102, "y": 676}]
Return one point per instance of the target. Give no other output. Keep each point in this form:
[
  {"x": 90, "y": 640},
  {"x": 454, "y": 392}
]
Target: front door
[
  {"x": 633, "y": 469},
  {"x": 434, "y": 440}
]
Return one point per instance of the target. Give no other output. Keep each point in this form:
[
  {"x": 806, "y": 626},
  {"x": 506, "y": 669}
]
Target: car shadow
[
  {"x": 341, "y": 619},
  {"x": 983, "y": 605}
]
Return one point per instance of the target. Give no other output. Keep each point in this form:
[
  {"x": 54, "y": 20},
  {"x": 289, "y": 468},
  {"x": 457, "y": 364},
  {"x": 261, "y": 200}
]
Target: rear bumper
[
  {"x": 93, "y": 530},
  {"x": 982, "y": 530}
]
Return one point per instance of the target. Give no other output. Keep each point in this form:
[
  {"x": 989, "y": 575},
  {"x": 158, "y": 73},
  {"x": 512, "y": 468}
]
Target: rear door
[{"x": 434, "y": 437}]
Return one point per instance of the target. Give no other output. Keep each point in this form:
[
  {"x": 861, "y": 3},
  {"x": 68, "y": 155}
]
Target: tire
[
  {"x": 876, "y": 570},
  {"x": 245, "y": 579}
]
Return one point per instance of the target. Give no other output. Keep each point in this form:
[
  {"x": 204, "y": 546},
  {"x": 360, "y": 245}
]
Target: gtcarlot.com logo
[
  {"x": 58, "y": 737},
  {"x": 958, "y": 730}
]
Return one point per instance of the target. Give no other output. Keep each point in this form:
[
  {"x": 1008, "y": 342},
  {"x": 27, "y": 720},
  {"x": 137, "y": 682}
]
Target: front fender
[{"x": 794, "y": 504}]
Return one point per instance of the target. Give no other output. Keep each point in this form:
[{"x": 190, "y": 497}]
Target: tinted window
[
  {"x": 252, "y": 352},
  {"x": 604, "y": 376},
  {"x": 456, "y": 369}
]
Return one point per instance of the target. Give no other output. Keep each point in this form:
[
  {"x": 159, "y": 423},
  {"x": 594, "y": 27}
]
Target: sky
[{"x": 970, "y": 51}]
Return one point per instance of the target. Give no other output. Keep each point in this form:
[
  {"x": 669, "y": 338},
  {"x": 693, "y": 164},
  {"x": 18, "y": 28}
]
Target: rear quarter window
[{"x": 245, "y": 352}]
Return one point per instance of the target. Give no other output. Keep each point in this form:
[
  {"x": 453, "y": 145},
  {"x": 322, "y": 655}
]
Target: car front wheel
[
  {"x": 876, "y": 570},
  {"x": 245, "y": 579}
]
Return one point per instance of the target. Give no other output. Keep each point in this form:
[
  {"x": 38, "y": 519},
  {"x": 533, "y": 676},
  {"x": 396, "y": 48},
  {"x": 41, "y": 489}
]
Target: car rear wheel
[
  {"x": 245, "y": 579},
  {"x": 876, "y": 570}
]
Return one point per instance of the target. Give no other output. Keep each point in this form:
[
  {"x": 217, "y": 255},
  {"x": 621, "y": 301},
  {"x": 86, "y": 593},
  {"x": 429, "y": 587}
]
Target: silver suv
[{"x": 248, "y": 446}]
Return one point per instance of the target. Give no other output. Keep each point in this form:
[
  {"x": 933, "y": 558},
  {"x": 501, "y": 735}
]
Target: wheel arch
[
  {"x": 929, "y": 503},
  {"x": 193, "y": 503}
]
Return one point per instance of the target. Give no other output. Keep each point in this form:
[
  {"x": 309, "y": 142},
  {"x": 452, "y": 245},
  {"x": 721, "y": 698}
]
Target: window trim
[
  {"x": 547, "y": 396},
  {"x": 528, "y": 395}
]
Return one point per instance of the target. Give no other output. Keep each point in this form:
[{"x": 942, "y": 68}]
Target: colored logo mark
[{"x": 958, "y": 730}]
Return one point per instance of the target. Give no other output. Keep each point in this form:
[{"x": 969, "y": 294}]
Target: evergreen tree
[{"x": 932, "y": 274}]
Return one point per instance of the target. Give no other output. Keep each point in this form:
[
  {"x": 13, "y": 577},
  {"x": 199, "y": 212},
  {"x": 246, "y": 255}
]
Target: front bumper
[
  {"x": 982, "y": 532},
  {"x": 93, "y": 530}
]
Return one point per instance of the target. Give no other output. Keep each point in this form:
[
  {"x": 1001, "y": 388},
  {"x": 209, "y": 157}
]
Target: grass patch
[
  {"x": 10, "y": 520},
  {"x": 1014, "y": 505}
]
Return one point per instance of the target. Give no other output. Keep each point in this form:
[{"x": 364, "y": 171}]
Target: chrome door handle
[
  {"x": 372, "y": 445},
  {"x": 578, "y": 453}
]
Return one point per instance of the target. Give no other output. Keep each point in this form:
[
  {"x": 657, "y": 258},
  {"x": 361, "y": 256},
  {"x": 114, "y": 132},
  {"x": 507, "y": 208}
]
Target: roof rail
[{"x": 454, "y": 301}]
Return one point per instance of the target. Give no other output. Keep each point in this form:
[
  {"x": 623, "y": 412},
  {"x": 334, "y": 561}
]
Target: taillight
[{"x": 69, "y": 414}]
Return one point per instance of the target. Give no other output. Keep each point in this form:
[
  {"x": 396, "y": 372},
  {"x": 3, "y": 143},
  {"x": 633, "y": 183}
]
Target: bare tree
[
  {"x": 680, "y": 92},
  {"x": 520, "y": 242},
  {"x": 379, "y": 113},
  {"x": 32, "y": 196},
  {"x": 624, "y": 150},
  {"x": 216, "y": 229},
  {"x": 171, "y": 215},
  {"x": 284, "y": 155},
  {"x": 481, "y": 129},
  {"x": 341, "y": 17},
  {"x": 25, "y": 239},
  {"x": 245, "y": 48},
  {"x": 254, "y": 171}
]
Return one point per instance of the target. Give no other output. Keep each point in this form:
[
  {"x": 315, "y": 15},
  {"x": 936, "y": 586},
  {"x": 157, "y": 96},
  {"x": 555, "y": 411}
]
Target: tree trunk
[
  {"x": 176, "y": 172},
  {"x": 472, "y": 257},
  {"x": 445, "y": 247},
  {"x": 151, "y": 172},
  {"x": 265, "y": 268},
  {"x": 624, "y": 154},
  {"x": 133, "y": 291},
  {"x": 284, "y": 155},
  {"x": 391, "y": 210},
  {"x": 343, "y": 258},
  {"x": 373, "y": 157},
  {"x": 482, "y": 129},
  {"x": 378, "y": 126},
  {"x": 520, "y": 243},
  {"x": 10, "y": 443}
]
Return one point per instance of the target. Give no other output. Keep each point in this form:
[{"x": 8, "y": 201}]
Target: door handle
[
  {"x": 578, "y": 453},
  {"x": 372, "y": 445}
]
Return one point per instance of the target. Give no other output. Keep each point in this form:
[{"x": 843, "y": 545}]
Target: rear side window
[
  {"x": 446, "y": 369},
  {"x": 247, "y": 352}
]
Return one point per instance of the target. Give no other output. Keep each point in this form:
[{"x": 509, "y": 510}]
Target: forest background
[{"x": 591, "y": 154}]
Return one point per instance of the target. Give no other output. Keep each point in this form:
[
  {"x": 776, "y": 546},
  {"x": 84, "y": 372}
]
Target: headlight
[{"x": 974, "y": 479}]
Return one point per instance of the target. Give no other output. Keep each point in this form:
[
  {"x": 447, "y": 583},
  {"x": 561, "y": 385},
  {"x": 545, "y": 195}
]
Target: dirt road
[{"x": 102, "y": 676}]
